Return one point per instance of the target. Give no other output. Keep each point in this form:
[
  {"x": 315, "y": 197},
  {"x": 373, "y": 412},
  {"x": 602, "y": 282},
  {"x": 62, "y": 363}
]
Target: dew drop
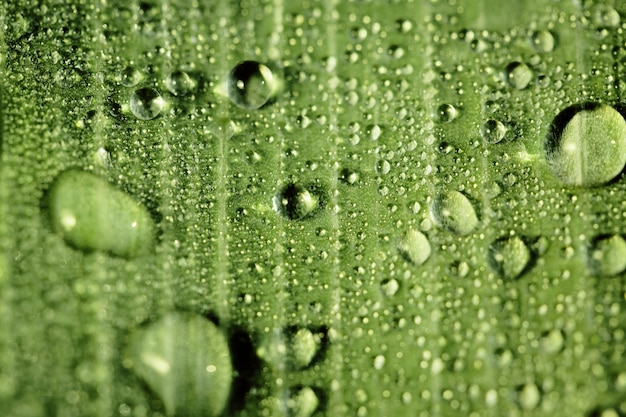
[
  {"x": 251, "y": 85},
  {"x": 446, "y": 113},
  {"x": 130, "y": 77},
  {"x": 179, "y": 83},
  {"x": 92, "y": 215},
  {"x": 389, "y": 287},
  {"x": 586, "y": 144},
  {"x": 518, "y": 75},
  {"x": 146, "y": 103},
  {"x": 509, "y": 256},
  {"x": 605, "y": 17},
  {"x": 415, "y": 247},
  {"x": 186, "y": 361},
  {"x": 493, "y": 131},
  {"x": 529, "y": 397},
  {"x": 303, "y": 403},
  {"x": 293, "y": 202},
  {"x": 607, "y": 256},
  {"x": 304, "y": 346},
  {"x": 454, "y": 212},
  {"x": 293, "y": 349},
  {"x": 553, "y": 341},
  {"x": 348, "y": 176},
  {"x": 543, "y": 41}
]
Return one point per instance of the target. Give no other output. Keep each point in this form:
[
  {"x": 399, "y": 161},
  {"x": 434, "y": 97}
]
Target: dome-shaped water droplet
[
  {"x": 509, "y": 256},
  {"x": 493, "y": 131},
  {"x": 185, "y": 360},
  {"x": 518, "y": 75},
  {"x": 543, "y": 41},
  {"x": 92, "y": 215},
  {"x": 251, "y": 85},
  {"x": 179, "y": 83},
  {"x": 529, "y": 397},
  {"x": 130, "y": 77},
  {"x": 415, "y": 247},
  {"x": 302, "y": 403},
  {"x": 586, "y": 144},
  {"x": 446, "y": 113},
  {"x": 293, "y": 201},
  {"x": 454, "y": 212},
  {"x": 605, "y": 17},
  {"x": 607, "y": 255},
  {"x": 146, "y": 103}
]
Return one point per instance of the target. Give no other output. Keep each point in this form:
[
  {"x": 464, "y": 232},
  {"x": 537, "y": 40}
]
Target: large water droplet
[
  {"x": 251, "y": 85},
  {"x": 543, "y": 41},
  {"x": 493, "y": 131},
  {"x": 509, "y": 256},
  {"x": 92, "y": 215},
  {"x": 586, "y": 144},
  {"x": 518, "y": 75},
  {"x": 185, "y": 360},
  {"x": 415, "y": 247},
  {"x": 454, "y": 212},
  {"x": 292, "y": 349},
  {"x": 293, "y": 202},
  {"x": 146, "y": 103},
  {"x": 302, "y": 403},
  {"x": 607, "y": 255}
]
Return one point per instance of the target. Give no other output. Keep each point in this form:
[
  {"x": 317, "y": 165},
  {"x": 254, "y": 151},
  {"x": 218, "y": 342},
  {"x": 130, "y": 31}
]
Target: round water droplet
[
  {"x": 415, "y": 247},
  {"x": 179, "y": 83},
  {"x": 607, "y": 256},
  {"x": 493, "y": 131},
  {"x": 130, "y": 77},
  {"x": 454, "y": 212},
  {"x": 185, "y": 360},
  {"x": 509, "y": 256},
  {"x": 251, "y": 85},
  {"x": 146, "y": 103},
  {"x": 529, "y": 397},
  {"x": 518, "y": 75},
  {"x": 303, "y": 403},
  {"x": 446, "y": 113},
  {"x": 92, "y": 215},
  {"x": 586, "y": 144},
  {"x": 543, "y": 41},
  {"x": 293, "y": 202},
  {"x": 553, "y": 341}
]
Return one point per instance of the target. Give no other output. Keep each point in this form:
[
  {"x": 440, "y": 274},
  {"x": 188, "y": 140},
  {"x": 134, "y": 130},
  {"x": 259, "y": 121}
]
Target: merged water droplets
[
  {"x": 293, "y": 201},
  {"x": 146, "y": 103},
  {"x": 454, "y": 212},
  {"x": 251, "y": 85},
  {"x": 509, "y": 256},
  {"x": 586, "y": 144},
  {"x": 607, "y": 255}
]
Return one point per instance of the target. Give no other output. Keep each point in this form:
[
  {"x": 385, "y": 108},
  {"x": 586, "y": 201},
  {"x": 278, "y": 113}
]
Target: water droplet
[
  {"x": 179, "y": 83},
  {"x": 446, "y": 113},
  {"x": 509, "y": 256},
  {"x": 185, "y": 360},
  {"x": 389, "y": 287},
  {"x": 383, "y": 167},
  {"x": 586, "y": 144},
  {"x": 454, "y": 212},
  {"x": 529, "y": 397},
  {"x": 493, "y": 131},
  {"x": 293, "y": 202},
  {"x": 92, "y": 215},
  {"x": 303, "y": 403},
  {"x": 348, "y": 176},
  {"x": 543, "y": 41},
  {"x": 251, "y": 85},
  {"x": 607, "y": 255},
  {"x": 146, "y": 103},
  {"x": 291, "y": 349},
  {"x": 553, "y": 341},
  {"x": 130, "y": 77},
  {"x": 304, "y": 346},
  {"x": 605, "y": 16},
  {"x": 518, "y": 75},
  {"x": 415, "y": 247}
]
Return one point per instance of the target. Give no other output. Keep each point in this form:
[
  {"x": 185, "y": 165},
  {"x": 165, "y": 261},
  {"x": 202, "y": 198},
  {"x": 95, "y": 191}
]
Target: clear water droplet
[
  {"x": 543, "y": 41},
  {"x": 586, "y": 144},
  {"x": 509, "y": 256},
  {"x": 146, "y": 103},
  {"x": 493, "y": 131},
  {"x": 607, "y": 255},
  {"x": 415, "y": 247},
  {"x": 446, "y": 113},
  {"x": 186, "y": 361},
  {"x": 179, "y": 83},
  {"x": 130, "y": 76},
  {"x": 251, "y": 85},
  {"x": 293, "y": 201},
  {"x": 454, "y": 212},
  {"x": 518, "y": 75}
]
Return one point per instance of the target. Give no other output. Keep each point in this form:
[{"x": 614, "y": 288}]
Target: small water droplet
[
  {"x": 454, "y": 212},
  {"x": 518, "y": 75},
  {"x": 415, "y": 247},
  {"x": 179, "y": 83},
  {"x": 293, "y": 201},
  {"x": 586, "y": 144},
  {"x": 493, "y": 131},
  {"x": 146, "y": 103},
  {"x": 509, "y": 256},
  {"x": 446, "y": 113},
  {"x": 543, "y": 41},
  {"x": 251, "y": 85},
  {"x": 607, "y": 255},
  {"x": 185, "y": 360}
]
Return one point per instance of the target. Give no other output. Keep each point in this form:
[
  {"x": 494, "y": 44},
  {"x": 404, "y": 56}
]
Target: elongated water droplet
[
  {"x": 92, "y": 215},
  {"x": 185, "y": 360},
  {"x": 454, "y": 212},
  {"x": 586, "y": 145}
]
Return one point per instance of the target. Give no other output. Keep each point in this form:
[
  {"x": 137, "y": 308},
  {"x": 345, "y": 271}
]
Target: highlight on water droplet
[
  {"x": 415, "y": 247},
  {"x": 586, "y": 144},
  {"x": 146, "y": 103},
  {"x": 607, "y": 255},
  {"x": 293, "y": 201},
  {"x": 179, "y": 83},
  {"x": 251, "y": 85},
  {"x": 185, "y": 359},
  {"x": 93, "y": 215},
  {"x": 493, "y": 131},
  {"x": 518, "y": 75},
  {"x": 509, "y": 256},
  {"x": 454, "y": 212}
]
